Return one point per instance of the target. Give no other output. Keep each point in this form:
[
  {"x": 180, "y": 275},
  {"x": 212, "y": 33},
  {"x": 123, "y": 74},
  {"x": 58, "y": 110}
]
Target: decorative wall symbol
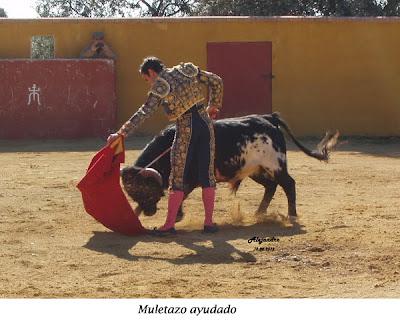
[{"x": 34, "y": 93}]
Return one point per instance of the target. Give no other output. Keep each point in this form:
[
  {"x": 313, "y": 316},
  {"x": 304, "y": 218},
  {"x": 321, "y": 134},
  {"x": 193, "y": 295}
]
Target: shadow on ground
[{"x": 221, "y": 252}]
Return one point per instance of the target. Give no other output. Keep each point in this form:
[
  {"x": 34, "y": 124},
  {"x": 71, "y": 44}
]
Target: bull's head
[{"x": 144, "y": 187}]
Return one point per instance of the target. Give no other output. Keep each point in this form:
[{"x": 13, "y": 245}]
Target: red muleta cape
[{"x": 102, "y": 195}]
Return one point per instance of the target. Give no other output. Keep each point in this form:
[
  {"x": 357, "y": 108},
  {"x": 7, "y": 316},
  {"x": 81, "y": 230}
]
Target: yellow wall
[{"x": 329, "y": 72}]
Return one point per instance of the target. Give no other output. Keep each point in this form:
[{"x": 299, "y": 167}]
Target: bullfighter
[{"x": 179, "y": 90}]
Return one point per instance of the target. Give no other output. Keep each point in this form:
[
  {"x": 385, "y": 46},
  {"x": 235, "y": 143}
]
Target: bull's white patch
[{"x": 258, "y": 154}]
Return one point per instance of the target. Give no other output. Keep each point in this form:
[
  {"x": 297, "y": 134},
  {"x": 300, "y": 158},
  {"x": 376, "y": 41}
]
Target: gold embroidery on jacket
[
  {"x": 160, "y": 88},
  {"x": 184, "y": 93},
  {"x": 188, "y": 69},
  {"x": 215, "y": 84},
  {"x": 177, "y": 89},
  {"x": 179, "y": 152},
  {"x": 211, "y": 174}
]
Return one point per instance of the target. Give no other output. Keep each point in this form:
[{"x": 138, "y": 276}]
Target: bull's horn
[{"x": 150, "y": 172}]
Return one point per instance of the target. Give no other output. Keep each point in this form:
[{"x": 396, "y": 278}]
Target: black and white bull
[{"x": 250, "y": 146}]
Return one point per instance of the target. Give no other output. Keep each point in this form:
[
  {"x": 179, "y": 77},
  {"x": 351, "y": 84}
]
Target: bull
[{"x": 250, "y": 146}]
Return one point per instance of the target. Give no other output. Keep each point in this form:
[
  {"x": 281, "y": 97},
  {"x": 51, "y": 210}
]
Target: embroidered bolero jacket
[{"x": 177, "y": 89}]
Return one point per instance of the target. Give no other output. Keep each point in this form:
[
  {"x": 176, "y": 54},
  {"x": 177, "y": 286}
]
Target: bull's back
[
  {"x": 245, "y": 144},
  {"x": 232, "y": 133}
]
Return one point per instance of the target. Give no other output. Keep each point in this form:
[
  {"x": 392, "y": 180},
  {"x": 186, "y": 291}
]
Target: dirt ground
[{"x": 347, "y": 243}]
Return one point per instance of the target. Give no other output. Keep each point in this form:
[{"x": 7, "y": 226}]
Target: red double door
[{"x": 246, "y": 68}]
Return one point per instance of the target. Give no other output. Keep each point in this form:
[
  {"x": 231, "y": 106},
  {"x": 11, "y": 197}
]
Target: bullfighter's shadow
[{"x": 221, "y": 252}]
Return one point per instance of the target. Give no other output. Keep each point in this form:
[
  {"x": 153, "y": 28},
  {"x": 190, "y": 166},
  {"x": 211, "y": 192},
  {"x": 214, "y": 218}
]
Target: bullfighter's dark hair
[{"x": 151, "y": 63}]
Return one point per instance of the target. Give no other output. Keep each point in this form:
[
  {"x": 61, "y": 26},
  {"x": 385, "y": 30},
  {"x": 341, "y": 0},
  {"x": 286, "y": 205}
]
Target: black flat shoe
[
  {"x": 162, "y": 233},
  {"x": 211, "y": 229}
]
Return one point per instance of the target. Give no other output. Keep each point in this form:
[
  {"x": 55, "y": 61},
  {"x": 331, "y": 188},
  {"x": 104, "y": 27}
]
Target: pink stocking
[
  {"x": 208, "y": 195},
  {"x": 174, "y": 202}
]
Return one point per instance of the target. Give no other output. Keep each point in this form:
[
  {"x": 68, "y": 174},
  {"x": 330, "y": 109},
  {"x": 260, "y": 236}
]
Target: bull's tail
[{"x": 323, "y": 148}]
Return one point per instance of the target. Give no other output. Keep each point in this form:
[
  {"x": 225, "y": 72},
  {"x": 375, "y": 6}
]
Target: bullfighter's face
[
  {"x": 144, "y": 188},
  {"x": 151, "y": 77}
]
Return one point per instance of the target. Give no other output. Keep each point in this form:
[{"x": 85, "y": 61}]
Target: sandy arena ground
[{"x": 347, "y": 244}]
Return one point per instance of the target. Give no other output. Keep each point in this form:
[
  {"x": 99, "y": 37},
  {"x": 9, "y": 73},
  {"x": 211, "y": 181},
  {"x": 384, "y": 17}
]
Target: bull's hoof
[
  {"x": 211, "y": 229},
  {"x": 293, "y": 220}
]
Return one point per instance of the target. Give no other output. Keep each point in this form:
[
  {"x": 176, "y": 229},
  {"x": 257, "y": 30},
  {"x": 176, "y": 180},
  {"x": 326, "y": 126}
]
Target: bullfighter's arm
[
  {"x": 159, "y": 90},
  {"x": 146, "y": 110},
  {"x": 215, "y": 85}
]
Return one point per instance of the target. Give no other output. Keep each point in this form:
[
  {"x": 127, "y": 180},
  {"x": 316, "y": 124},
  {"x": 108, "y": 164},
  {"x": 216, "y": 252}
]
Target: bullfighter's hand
[
  {"x": 212, "y": 111},
  {"x": 112, "y": 137}
]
